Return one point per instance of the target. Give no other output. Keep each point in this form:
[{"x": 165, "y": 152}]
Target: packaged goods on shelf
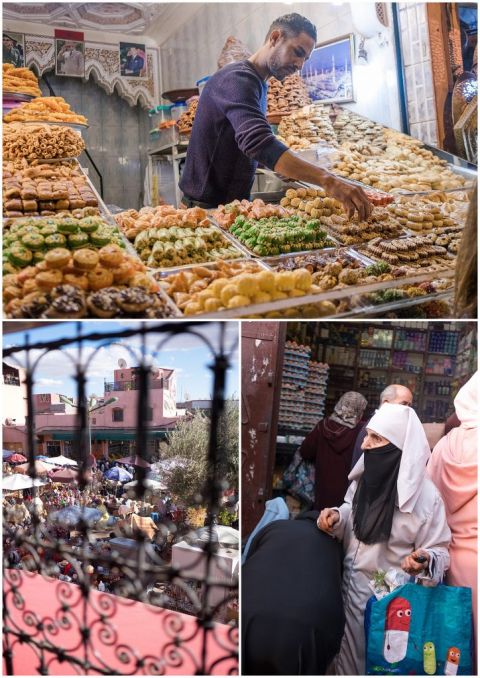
[
  {"x": 440, "y": 365},
  {"x": 315, "y": 393},
  {"x": 406, "y": 339},
  {"x": 46, "y": 109},
  {"x": 21, "y": 80},
  {"x": 373, "y": 358},
  {"x": 443, "y": 342},
  {"x": 336, "y": 355},
  {"x": 376, "y": 338},
  {"x": 407, "y": 362},
  {"x": 288, "y": 95},
  {"x": 40, "y": 142},
  {"x": 46, "y": 189}
]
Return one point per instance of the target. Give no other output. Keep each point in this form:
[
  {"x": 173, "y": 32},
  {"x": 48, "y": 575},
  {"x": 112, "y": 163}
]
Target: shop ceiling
[{"x": 157, "y": 19}]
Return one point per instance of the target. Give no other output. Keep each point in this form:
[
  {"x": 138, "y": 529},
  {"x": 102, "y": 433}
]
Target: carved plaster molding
[{"x": 102, "y": 63}]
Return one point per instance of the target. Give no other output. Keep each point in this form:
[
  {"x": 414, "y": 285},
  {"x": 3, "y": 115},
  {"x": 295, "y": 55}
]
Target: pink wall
[{"x": 14, "y": 438}]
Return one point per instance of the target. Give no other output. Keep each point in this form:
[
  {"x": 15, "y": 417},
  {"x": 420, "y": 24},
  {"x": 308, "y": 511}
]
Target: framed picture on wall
[
  {"x": 14, "y": 49},
  {"x": 133, "y": 60},
  {"x": 70, "y": 58},
  {"x": 328, "y": 73}
]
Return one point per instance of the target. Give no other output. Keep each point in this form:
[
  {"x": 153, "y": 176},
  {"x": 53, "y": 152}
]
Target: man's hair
[
  {"x": 389, "y": 393},
  {"x": 293, "y": 24}
]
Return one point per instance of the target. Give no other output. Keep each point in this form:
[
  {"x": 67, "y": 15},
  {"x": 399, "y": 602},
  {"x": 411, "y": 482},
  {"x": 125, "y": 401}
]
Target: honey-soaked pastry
[{"x": 47, "y": 109}]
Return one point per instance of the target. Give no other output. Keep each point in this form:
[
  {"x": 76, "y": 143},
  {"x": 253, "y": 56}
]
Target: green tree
[{"x": 188, "y": 443}]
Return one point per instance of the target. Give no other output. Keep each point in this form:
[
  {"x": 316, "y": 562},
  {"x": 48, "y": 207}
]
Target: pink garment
[{"x": 453, "y": 469}]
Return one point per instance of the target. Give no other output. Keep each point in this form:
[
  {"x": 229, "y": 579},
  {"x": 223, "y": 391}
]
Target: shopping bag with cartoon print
[{"x": 419, "y": 630}]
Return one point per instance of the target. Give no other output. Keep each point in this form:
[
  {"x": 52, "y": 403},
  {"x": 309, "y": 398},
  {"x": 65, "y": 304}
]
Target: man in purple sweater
[{"x": 231, "y": 135}]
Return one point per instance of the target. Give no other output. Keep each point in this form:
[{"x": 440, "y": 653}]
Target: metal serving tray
[{"x": 354, "y": 293}]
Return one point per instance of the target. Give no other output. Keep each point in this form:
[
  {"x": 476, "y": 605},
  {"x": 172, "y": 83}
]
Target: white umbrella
[
  {"x": 19, "y": 481},
  {"x": 148, "y": 484},
  {"x": 60, "y": 461},
  {"x": 225, "y": 536}
]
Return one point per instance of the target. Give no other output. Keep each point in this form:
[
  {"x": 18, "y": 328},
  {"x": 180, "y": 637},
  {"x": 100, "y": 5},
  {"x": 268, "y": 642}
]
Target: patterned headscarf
[{"x": 349, "y": 409}]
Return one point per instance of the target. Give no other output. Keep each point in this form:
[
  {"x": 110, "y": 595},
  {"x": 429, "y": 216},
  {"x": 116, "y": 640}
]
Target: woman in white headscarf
[
  {"x": 392, "y": 516},
  {"x": 453, "y": 467}
]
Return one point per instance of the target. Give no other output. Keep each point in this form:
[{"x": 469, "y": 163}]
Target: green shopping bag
[{"x": 418, "y": 630}]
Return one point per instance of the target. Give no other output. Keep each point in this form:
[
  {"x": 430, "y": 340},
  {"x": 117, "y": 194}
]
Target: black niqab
[{"x": 376, "y": 494}]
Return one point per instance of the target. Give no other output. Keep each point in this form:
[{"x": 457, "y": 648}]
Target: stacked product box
[
  {"x": 294, "y": 384},
  {"x": 315, "y": 394}
]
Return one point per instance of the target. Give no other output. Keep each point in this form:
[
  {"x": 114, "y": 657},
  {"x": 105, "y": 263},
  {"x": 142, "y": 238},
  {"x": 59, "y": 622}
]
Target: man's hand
[
  {"x": 411, "y": 565},
  {"x": 327, "y": 519},
  {"x": 352, "y": 197}
]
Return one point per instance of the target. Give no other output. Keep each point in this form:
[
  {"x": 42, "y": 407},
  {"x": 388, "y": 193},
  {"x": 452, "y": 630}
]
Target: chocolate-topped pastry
[
  {"x": 134, "y": 300},
  {"x": 68, "y": 290},
  {"x": 34, "y": 306},
  {"x": 104, "y": 303},
  {"x": 69, "y": 305}
]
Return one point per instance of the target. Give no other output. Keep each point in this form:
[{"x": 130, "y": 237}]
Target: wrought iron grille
[{"x": 79, "y": 630}]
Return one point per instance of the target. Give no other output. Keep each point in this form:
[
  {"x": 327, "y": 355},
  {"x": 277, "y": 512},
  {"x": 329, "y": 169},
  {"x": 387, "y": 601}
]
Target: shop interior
[
  {"x": 324, "y": 360},
  {"x": 99, "y": 102}
]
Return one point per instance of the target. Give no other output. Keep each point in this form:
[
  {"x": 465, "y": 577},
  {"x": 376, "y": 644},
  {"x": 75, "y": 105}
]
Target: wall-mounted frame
[
  {"x": 133, "y": 60},
  {"x": 70, "y": 58},
  {"x": 14, "y": 49},
  {"x": 328, "y": 73}
]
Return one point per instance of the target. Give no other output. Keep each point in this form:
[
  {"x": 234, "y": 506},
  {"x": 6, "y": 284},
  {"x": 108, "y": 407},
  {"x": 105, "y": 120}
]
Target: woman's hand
[
  {"x": 327, "y": 519},
  {"x": 411, "y": 565}
]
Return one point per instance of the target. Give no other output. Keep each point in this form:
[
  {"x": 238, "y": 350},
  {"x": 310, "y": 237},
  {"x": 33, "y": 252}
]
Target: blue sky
[{"x": 186, "y": 354}]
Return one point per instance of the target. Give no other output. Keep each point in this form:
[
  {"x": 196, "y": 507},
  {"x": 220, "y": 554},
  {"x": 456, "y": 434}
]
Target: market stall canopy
[
  {"x": 134, "y": 461},
  {"x": 72, "y": 515},
  {"x": 119, "y": 474},
  {"x": 63, "y": 475},
  {"x": 18, "y": 481},
  {"x": 41, "y": 469},
  {"x": 17, "y": 459},
  {"x": 61, "y": 461}
]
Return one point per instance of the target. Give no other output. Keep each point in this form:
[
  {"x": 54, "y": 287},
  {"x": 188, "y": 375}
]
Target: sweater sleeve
[{"x": 241, "y": 101}]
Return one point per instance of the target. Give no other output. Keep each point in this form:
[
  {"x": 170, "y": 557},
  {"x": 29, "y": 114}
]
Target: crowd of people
[{"x": 388, "y": 501}]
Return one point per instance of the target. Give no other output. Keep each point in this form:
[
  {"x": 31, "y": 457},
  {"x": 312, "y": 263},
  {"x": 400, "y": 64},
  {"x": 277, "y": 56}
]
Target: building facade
[{"x": 113, "y": 425}]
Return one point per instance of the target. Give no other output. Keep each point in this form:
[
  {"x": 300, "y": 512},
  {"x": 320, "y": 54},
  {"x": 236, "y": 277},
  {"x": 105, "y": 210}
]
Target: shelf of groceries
[{"x": 292, "y": 252}]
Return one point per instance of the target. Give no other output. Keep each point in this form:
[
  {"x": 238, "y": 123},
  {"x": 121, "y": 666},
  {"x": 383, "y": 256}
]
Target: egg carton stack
[
  {"x": 353, "y": 128},
  {"x": 286, "y": 96},
  {"x": 315, "y": 393},
  {"x": 294, "y": 384}
]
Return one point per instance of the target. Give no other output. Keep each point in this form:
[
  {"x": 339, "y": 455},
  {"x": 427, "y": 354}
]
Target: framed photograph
[
  {"x": 133, "y": 60},
  {"x": 14, "y": 49},
  {"x": 328, "y": 73},
  {"x": 70, "y": 58}
]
